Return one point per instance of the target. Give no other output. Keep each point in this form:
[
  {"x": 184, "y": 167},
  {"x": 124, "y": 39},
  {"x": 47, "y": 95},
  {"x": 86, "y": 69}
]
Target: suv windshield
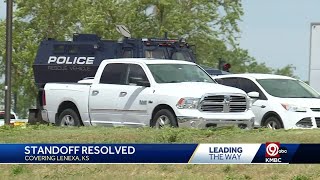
[
  {"x": 288, "y": 88},
  {"x": 176, "y": 73}
]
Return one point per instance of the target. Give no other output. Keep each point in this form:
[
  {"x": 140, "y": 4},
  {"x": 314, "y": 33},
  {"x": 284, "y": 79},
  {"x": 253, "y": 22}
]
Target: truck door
[
  {"x": 104, "y": 96},
  {"x": 134, "y": 100}
]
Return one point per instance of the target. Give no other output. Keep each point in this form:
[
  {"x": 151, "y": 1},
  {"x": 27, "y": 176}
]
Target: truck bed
[{"x": 77, "y": 93}]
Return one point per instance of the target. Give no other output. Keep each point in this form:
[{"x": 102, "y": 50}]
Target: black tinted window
[
  {"x": 136, "y": 73},
  {"x": 248, "y": 86},
  {"x": 233, "y": 82},
  {"x": 114, "y": 74}
]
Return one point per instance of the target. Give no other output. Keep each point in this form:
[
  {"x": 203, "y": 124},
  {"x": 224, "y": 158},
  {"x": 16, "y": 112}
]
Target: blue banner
[
  {"x": 270, "y": 152},
  {"x": 96, "y": 153}
]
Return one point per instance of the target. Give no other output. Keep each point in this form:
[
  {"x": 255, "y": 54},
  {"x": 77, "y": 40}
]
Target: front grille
[
  {"x": 318, "y": 121},
  {"x": 223, "y": 103},
  {"x": 315, "y": 109},
  {"x": 305, "y": 122}
]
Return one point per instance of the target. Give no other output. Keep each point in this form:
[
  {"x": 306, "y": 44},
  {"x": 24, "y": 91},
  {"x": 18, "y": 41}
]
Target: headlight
[
  {"x": 250, "y": 103},
  {"x": 188, "y": 103},
  {"x": 294, "y": 108}
]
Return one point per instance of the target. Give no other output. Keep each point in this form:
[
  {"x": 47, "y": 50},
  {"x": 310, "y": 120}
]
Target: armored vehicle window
[
  {"x": 136, "y": 73},
  {"x": 86, "y": 49},
  {"x": 58, "y": 49},
  {"x": 157, "y": 54},
  {"x": 127, "y": 53},
  {"x": 115, "y": 73},
  {"x": 82, "y": 49},
  {"x": 181, "y": 56},
  {"x": 73, "y": 50}
]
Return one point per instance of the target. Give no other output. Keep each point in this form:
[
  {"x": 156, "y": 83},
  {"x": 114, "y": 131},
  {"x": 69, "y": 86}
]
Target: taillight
[{"x": 44, "y": 98}]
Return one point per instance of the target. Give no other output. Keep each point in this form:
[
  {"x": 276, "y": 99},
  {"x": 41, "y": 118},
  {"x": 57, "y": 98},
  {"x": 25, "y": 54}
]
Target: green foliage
[
  {"x": 17, "y": 169},
  {"x": 286, "y": 71},
  {"x": 300, "y": 177},
  {"x": 210, "y": 25},
  {"x": 227, "y": 169}
]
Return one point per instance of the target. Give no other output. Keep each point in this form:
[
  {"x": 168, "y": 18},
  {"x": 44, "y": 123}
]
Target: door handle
[
  {"x": 95, "y": 92},
  {"x": 262, "y": 106},
  {"x": 122, "y": 94}
]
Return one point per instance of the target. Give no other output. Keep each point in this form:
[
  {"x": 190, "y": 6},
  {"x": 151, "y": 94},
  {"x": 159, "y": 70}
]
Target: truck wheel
[
  {"x": 273, "y": 123},
  {"x": 164, "y": 118},
  {"x": 68, "y": 117}
]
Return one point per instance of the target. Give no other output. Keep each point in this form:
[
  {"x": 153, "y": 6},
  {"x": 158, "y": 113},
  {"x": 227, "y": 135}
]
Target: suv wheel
[{"x": 273, "y": 123}]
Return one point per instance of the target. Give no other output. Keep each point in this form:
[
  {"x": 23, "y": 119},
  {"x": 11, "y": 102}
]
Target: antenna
[{"x": 123, "y": 30}]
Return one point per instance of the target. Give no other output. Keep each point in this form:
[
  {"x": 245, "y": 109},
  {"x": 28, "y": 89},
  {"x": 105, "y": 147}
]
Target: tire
[
  {"x": 273, "y": 123},
  {"x": 68, "y": 117},
  {"x": 164, "y": 118}
]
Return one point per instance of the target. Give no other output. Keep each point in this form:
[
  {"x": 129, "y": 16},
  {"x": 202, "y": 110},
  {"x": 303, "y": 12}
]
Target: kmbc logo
[{"x": 273, "y": 151}]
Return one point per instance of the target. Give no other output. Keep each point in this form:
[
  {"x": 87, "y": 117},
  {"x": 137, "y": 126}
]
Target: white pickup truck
[{"x": 147, "y": 92}]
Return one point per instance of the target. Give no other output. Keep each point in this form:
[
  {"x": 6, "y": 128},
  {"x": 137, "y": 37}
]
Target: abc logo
[{"x": 283, "y": 151}]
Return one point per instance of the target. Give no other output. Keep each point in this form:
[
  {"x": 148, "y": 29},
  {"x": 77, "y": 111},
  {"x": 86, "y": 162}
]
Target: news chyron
[{"x": 270, "y": 152}]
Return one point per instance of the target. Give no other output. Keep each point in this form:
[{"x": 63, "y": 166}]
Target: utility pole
[{"x": 7, "y": 86}]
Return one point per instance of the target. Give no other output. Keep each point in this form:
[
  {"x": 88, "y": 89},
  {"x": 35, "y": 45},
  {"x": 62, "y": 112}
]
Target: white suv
[{"x": 283, "y": 102}]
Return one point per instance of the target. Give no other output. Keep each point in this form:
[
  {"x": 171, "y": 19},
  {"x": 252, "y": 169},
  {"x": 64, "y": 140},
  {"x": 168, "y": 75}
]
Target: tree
[
  {"x": 34, "y": 21},
  {"x": 210, "y": 25},
  {"x": 286, "y": 71}
]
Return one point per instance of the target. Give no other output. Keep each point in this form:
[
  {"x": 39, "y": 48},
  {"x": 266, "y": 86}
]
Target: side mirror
[
  {"x": 135, "y": 79},
  {"x": 139, "y": 81},
  {"x": 253, "y": 95},
  {"x": 143, "y": 83}
]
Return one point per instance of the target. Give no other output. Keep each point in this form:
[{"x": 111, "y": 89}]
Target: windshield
[
  {"x": 288, "y": 88},
  {"x": 177, "y": 73}
]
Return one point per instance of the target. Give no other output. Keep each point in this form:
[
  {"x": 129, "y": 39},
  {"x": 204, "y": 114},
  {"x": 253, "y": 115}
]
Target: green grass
[{"x": 51, "y": 134}]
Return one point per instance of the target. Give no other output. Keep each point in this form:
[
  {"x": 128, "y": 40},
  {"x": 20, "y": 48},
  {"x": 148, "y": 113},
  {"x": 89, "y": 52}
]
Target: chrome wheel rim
[
  {"x": 272, "y": 125},
  {"x": 163, "y": 121},
  {"x": 67, "y": 120}
]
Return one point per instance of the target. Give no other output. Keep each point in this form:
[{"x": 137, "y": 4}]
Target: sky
[{"x": 276, "y": 32}]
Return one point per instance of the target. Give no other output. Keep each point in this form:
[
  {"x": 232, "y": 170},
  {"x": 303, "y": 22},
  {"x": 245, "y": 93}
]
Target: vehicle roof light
[{"x": 164, "y": 40}]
